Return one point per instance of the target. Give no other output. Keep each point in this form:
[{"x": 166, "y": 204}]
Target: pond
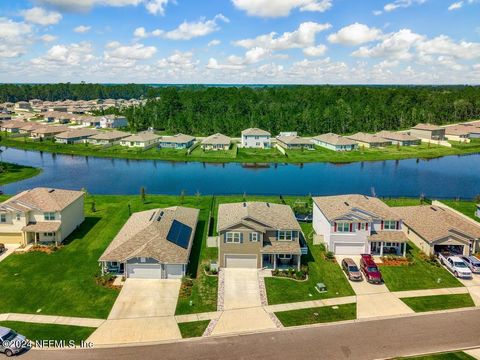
[{"x": 447, "y": 177}]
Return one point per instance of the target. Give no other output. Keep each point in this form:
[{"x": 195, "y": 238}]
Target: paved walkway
[
  {"x": 311, "y": 304},
  {"x": 52, "y": 319},
  {"x": 430, "y": 292},
  {"x": 473, "y": 353},
  {"x": 473, "y": 286}
]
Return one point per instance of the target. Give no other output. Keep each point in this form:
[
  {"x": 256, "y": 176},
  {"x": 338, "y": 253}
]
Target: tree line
[{"x": 310, "y": 110}]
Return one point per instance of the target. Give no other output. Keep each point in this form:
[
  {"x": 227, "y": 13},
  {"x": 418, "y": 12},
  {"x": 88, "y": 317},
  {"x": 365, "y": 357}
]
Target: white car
[
  {"x": 473, "y": 263},
  {"x": 456, "y": 265}
]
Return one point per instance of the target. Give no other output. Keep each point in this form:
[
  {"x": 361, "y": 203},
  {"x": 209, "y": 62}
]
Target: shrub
[{"x": 329, "y": 255}]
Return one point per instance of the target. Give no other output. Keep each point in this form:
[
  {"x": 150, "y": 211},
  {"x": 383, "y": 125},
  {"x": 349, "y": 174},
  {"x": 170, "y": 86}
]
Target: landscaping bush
[
  {"x": 329, "y": 255},
  {"x": 186, "y": 288},
  {"x": 105, "y": 280}
]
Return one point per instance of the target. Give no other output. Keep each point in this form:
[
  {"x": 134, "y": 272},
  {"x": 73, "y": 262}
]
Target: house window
[
  {"x": 232, "y": 237},
  {"x": 285, "y": 256},
  {"x": 253, "y": 237},
  {"x": 390, "y": 225},
  {"x": 284, "y": 235},
  {"x": 363, "y": 226},
  {"x": 3, "y": 218},
  {"x": 343, "y": 227},
  {"x": 18, "y": 216},
  {"x": 49, "y": 216},
  {"x": 142, "y": 259},
  {"x": 48, "y": 234}
]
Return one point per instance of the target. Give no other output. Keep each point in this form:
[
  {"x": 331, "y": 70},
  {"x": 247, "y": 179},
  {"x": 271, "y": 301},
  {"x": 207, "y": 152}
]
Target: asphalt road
[{"x": 361, "y": 340}]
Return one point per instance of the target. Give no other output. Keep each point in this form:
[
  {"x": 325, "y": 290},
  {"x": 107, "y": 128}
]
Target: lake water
[{"x": 453, "y": 176}]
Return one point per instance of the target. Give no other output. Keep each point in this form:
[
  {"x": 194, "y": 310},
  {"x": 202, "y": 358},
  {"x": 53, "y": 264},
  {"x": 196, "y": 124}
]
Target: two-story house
[
  {"x": 40, "y": 215},
  {"x": 256, "y": 138},
  {"x": 259, "y": 235},
  {"x": 358, "y": 224},
  {"x": 113, "y": 122}
]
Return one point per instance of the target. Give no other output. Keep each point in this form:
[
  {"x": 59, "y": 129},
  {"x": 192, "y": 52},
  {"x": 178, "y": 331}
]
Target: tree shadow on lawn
[
  {"x": 196, "y": 250},
  {"x": 82, "y": 230}
]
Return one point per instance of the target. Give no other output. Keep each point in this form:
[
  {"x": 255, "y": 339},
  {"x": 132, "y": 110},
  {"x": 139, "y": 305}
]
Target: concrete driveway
[
  {"x": 141, "y": 298},
  {"x": 242, "y": 289},
  {"x": 143, "y": 312},
  {"x": 473, "y": 286},
  {"x": 10, "y": 249}
]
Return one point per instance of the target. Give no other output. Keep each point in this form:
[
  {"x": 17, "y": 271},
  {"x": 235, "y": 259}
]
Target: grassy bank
[
  {"x": 193, "y": 329},
  {"x": 38, "y": 332},
  {"x": 438, "y": 302},
  {"x": 12, "y": 172},
  {"x": 317, "y": 315},
  {"x": 458, "y": 355},
  {"x": 424, "y": 151}
]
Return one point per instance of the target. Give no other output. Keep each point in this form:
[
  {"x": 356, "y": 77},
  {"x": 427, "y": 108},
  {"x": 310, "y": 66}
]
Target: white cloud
[
  {"x": 315, "y": 51},
  {"x": 65, "y": 55},
  {"x": 303, "y": 37},
  {"x": 443, "y": 45},
  {"x": 214, "y": 43},
  {"x": 355, "y": 34},
  {"x": 178, "y": 61},
  {"x": 155, "y": 7},
  {"x": 40, "y": 16},
  {"x": 397, "y": 4},
  {"x": 455, "y": 6},
  {"x": 128, "y": 52},
  {"x": 14, "y": 36},
  {"x": 190, "y": 30},
  {"x": 394, "y": 46},
  {"x": 140, "y": 32},
  {"x": 48, "y": 38},
  {"x": 81, "y": 29},
  {"x": 213, "y": 64},
  {"x": 269, "y": 8}
]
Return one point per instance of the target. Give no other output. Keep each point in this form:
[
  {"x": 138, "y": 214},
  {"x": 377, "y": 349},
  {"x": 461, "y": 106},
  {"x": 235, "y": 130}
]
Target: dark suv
[{"x": 370, "y": 269}]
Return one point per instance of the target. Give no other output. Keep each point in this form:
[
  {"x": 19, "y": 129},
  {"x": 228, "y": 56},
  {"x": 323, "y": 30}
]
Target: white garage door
[
  {"x": 241, "y": 261},
  {"x": 349, "y": 249},
  {"x": 174, "y": 271},
  {"x": 144, "y": 271}
]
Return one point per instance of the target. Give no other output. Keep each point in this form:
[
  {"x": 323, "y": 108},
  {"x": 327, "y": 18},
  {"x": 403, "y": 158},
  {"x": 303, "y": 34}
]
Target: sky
[{"x": 240, "y": 41}]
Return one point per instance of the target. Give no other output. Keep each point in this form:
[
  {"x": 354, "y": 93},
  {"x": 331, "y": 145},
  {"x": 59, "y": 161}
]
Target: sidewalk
[{"x": 52, "y": 319}]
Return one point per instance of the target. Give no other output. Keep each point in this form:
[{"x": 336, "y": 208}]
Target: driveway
[
  {"x": 141, "y": 298},
  {"x": 473, "y": 286},
  {"x": 10, "y": 249},
  {"x": 242, "y": 289},
  {"x": 143, "y": 312}
]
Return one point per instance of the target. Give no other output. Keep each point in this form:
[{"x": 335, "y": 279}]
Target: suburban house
[
  {"x": 358, "y": 224},
  {"x": 75, "y": 136},
  {"x": 473, "y": 130},
  {"x": 5, "y": 115},
  {"x": 369, "y": 140},
  {"x": 259, "y": 235},
  {"x": 47, "y": 132},
  {"x": 460, "y": 133},
  {"x": 92, "y": 121},
  {"x": 57, "y": 116},
  {"x": 29, "y": 127},
  {"x": 107, "y": 137},
  {"x": 294, "y": 142},
  {"x": 401, "y": 139},
  {"x": 12, "y": 126},
  {"x": 153, "y": 244},
  {"x": 216, "y": 142},
  {"x": 113, "y": 122},
  {"x": 256, "y": 138},
  {"x": 428, "y": 132},
  {"x": 435, "y": 229},
  {"x": 143, "y": 140},
  {"x": 41, "y": 215},
  {"x": 335, "y": 142},
  {"x": 179, "y": 141},
  {"x": 23, "y": 106}
]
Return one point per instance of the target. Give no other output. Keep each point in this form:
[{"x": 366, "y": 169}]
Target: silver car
[
  {"x": 472, "y": 262},
  {"x": 11, "y": 343}
]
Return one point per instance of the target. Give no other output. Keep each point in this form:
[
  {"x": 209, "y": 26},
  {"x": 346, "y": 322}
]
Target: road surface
[{"x": 360, "y": 340}]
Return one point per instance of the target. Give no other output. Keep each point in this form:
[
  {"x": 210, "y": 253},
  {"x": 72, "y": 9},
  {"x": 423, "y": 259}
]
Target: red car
[{"x": 370, "y": 269}]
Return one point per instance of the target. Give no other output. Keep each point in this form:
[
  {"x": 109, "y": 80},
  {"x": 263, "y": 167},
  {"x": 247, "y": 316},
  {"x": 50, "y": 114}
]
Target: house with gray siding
[{"x": 335, "y": 142}]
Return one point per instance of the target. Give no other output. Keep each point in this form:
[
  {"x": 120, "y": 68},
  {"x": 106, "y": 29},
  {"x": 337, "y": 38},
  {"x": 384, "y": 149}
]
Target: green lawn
[
  {"x": 438, "y": 302},
  {"x": 458, "y": 355},
  {"x": 63, "y": 283},
  {"x": 193, "y": 329},
  {"x": 317, "y": 315},
  {"x": 465, "y": 207},
  {"x": 419, "y": 275},
  {"x": 405, "y": 201},
  {"x": 423, "y": 151},
  {"x": 12, "y": 172},
  {"x": 36, "y": 332}
]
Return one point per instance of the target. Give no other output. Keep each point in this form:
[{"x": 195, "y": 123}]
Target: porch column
[
  {"x": 274, "y": 261},
  {"x": 381, "y": 248},
  {"x": 35, "y": 236},
  {"x": 404, "y": 249},
  {"x": 298, "y": 262}
]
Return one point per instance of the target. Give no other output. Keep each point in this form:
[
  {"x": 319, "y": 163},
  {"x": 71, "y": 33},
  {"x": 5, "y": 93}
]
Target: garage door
[
  {"x": 143, "y": 271},
  {"x": 241, "y": 261},
  {"x": 349, "y": 249},
  {"x": 174, "y": 271},
  {"x": 11, "y": 238}
]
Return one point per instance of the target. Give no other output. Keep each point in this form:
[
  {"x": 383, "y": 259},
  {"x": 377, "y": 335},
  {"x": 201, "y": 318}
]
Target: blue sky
[{"x": 241, "y": 41}]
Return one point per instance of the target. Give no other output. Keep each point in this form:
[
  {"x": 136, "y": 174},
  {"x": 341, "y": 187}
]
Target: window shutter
[
  {"x": 241, "y": 238},
  {"x": 398, "y": 225},
  {"x": 358, "y": 227},
  {"x": 335, "y": 227},
  {"x": 382, "y": 225},
  {"x": 366, "y": 226},
  {"x": 351, "y": 227}
]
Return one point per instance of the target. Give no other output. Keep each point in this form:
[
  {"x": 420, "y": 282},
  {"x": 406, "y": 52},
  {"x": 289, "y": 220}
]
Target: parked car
[
  {"x": 472, "y": 262},
  {"x": 351, "y": 269},
  {"x": 11, "y": 343},
  {"x": 370, "y": 269},
  {"x": 2, "y": 248},
  {"x": 455, "y": 265}
]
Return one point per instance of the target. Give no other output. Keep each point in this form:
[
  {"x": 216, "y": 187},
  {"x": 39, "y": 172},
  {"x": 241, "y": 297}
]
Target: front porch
[
  {"x": 383, "y": 248},
  {"x": 281, "y": 261},
  {"x": 42, "y": 233}
]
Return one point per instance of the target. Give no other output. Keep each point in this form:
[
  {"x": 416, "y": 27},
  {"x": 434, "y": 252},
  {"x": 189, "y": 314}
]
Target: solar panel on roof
[{"x": 179, "y": 234}]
